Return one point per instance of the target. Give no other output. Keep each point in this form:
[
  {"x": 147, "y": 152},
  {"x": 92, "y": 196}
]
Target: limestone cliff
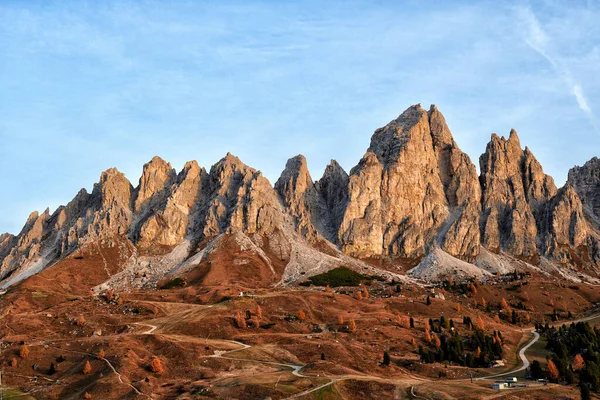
[{"x": 413, "y": 193}]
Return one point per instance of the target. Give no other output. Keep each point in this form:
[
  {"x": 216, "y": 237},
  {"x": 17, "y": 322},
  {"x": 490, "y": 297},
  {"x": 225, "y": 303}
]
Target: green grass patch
[
  {"x": 39, "y": 295},
  {"x": 326, "y": 393},
  {"x": 537, "y": 351},
  {"x": 10, "y": 394},
  {"x": 340, "y": 276}
]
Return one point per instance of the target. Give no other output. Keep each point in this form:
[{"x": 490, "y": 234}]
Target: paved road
[
  {"x": 523, "y": 357},
  {"x": 535, "y": 338}
]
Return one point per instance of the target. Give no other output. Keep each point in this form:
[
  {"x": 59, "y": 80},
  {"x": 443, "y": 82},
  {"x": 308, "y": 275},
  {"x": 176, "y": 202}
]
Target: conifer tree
[{"x": 386, "y": 358}]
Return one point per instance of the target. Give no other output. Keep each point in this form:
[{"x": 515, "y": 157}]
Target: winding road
[
  {"x": 523, "y": 357},
  {"x": 524, "y": 349}
]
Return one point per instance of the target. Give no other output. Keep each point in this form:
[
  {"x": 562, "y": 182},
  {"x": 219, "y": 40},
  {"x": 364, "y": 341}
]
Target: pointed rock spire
[
  {"x": 514, "y": 190},
  {"x": 298, "y": 193},
  {"x": 170, "y": 221},
  {"x": 157, "y": 177},
  {"x": 333, "y": 192}
]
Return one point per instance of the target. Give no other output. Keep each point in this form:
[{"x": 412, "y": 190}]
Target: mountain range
[{"x": 414, "y": 207}]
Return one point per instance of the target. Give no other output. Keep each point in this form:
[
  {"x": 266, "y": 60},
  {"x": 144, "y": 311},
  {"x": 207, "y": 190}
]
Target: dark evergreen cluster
[
  {"x": 475, "y": 350},
  {"x": 566, "y": 343}
]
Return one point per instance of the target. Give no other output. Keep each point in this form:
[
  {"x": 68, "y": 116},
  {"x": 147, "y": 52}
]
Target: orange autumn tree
[
  {"x": 483, "y": 303},
  {"x": 156, "y": 366},
  {"x": 365, "y": 292},
  {"x": 480, "y": 324},
  {"x": 24, "y": 352},
  {"x": 301, "y": 316},
  {"x": 81, "y": 320},
  {"x": 359, "y": 296},
  {"x": 14, "y": 362},
  {"x": 578, "y": 363},
  {"x": 472, "y": 288},
  {"x": 427, "y": 336},
  {"x": 351, "y": 326},
  {"x": 503, "y": 304},
  {"x": 258, "y": 312},
  {"x": 87, "y": 368},
  {"x": 340, "y": 320},
  {"x": 101, "y": 354},
  {"x": 239, "y": 320},
  {"x": 551, "y": 371},
  {"x": 406, "y": 322},
  {"x": 437, "y": 342}
]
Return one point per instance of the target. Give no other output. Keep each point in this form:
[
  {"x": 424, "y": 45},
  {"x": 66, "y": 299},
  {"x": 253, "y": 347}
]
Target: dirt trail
[
  {"x": 119, "y": 376},
  {"x": 176, "y": 312}
]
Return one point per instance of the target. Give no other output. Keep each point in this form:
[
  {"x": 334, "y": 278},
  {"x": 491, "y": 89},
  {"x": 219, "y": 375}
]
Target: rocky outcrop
[
  {"x": 412, "y": 191},
  {"x": 156, "y": 180},
  {"x": 460, "y": 237},
  {"x": 299, "y": 195},
  {"x": 396, "y": 200},
  {"x": 238, "y": 197},
  {"x": 7, "y": 241},
  {"x": 586, "y": 182},
  {"x": 333, "y": 195},
  {"x": 28, "y": 243},
  {"x": 514, "y": 188},
  {"x": 566, "y": 235},
  {"x": 45, "y": 238},
  {"x": 170, "y": 222},
  {"x": 111, "y": 199}
]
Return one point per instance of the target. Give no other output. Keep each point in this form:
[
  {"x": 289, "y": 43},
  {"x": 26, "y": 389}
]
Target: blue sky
[{"x": 85, "y": 86}]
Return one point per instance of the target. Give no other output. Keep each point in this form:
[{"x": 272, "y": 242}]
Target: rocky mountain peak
[
  {"x": 295, "y": 179},
  {"x": 440, "y": 133},
  {"x": 388, "y": 142},
  {"x": 395, "y": 195},
  {"x": 515, "y": 190},
  {"x": 332, "y": 169},
  {"x": 113, "y": 188},
  {"x": 586, "y": 182},
  {"x": 513, "y": 138},
  {"x": 190, "y": 167},
  {"x": 229, "y": 165},
  {"x": 157, "y": 176},
  {"x": 298, "y": 193}
]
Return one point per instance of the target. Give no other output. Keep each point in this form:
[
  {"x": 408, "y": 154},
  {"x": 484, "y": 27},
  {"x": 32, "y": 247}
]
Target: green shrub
[{"x": 340, "y": 276}]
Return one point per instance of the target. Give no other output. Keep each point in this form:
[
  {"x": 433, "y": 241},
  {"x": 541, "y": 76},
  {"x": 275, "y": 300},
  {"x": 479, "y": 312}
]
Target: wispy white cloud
[
  {"x": 537, "y": 38},
  {"x": 578, "y": 93}
]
